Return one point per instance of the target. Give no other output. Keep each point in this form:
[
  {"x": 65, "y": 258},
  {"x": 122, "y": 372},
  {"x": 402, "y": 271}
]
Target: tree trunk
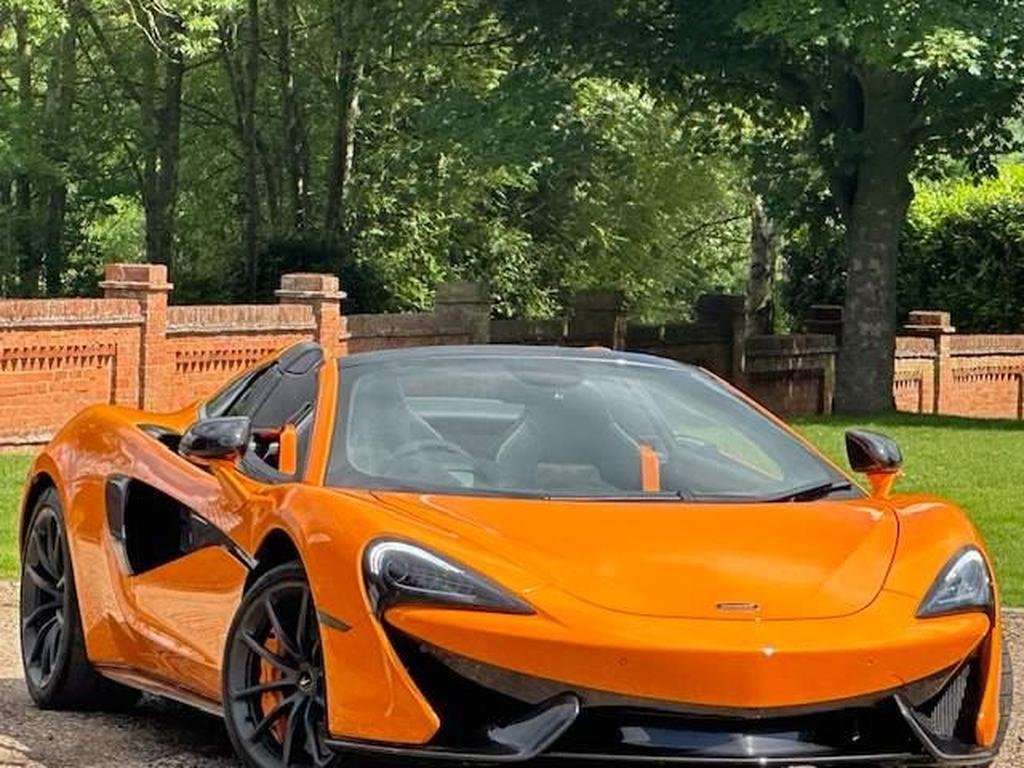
[
  {"x": 760, "y": 305},
  {"x": 28, "y": 268},
  {"x": 61, "y": 93},
  {"x": 251, "y": 146},
  {"x": 169, "y": 133},
  {"x": 348, "y": 73},
  {"x": 875, "y": 212},
  {"x": 296, "y": 142},
  {"x": 161, "y": 113}
]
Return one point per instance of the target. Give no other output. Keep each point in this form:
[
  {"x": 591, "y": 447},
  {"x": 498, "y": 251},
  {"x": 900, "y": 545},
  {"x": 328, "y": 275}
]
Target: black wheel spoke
[
  {"x": 40, "y": 611},
  {"x": 50, "y": 651},
  {"x": 276, "y": 713},
  {"x": 263, "y": 688},
  {"x": 314, "y": 745},
  {"x": 290, "y": 729},
  {"x": 300, "y": 626},
  {"x": 287, "y": 645},
  {"x": 54, "y": 554},
  {"x": 42, "y": 583},
  {"x": 43, "y": 554},
  {"x": 268, "y": 655},
  {"x": 39, "y": 649}
]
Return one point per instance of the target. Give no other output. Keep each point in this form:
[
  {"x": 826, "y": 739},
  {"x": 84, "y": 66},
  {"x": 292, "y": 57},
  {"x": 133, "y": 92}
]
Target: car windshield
[{"x": 564, "y": 427}]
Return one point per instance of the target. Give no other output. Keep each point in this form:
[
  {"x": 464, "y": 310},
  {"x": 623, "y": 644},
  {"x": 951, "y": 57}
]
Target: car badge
[{"x": 738, "y": 607}]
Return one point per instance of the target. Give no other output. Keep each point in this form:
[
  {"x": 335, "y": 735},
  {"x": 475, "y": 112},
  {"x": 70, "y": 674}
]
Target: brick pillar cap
[
  {"x": 463, "y": 292},
  {"x": 599, "y": 300},
  {"x": 146, "y": 277},
  {"x": 929, "y": 320},
  {"x": 310, "y": 285}
]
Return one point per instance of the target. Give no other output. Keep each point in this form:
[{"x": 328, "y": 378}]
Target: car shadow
[
  {"x": 156, "y": 733},
  {"x": 153, "y": 733}
]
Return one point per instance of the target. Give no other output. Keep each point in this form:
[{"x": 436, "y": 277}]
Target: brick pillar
[
  {"x": 937, "y": 326},
  {"x": 463, "y": 306},
  {"x": 147, "y": 284},
  {"x": 827, "y": 320},
  {"x": 726, "y": 313},
  {"x": 323, "y": 294},
  {"x": 598, "y": 318}
]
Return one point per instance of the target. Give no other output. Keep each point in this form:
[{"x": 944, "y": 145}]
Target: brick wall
[
  {"x": 134, "y": 348},
  {"x": 57, "y": 355},
  {"x": 208, "y": 345},
  {"x": 941, "y": 371}
]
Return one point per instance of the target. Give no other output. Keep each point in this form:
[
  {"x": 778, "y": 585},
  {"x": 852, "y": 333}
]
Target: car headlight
[
  {"x": 399, "y": 572},
  {"x": 963, "y": 585}
]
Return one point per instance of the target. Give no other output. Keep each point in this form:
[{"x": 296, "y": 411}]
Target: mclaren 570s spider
[{"x": 496, "y": 554}]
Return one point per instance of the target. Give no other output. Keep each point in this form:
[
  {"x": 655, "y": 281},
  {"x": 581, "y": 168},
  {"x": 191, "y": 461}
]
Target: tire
[
  {"x": 57, "y": 671},
  {"x": 273, "y": 686}
]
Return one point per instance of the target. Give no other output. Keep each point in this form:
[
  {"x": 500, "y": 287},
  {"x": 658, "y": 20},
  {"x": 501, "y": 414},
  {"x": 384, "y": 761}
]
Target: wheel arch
[
  {"x": 277, "y": 548},
  {"x": 39, "y": 482}
]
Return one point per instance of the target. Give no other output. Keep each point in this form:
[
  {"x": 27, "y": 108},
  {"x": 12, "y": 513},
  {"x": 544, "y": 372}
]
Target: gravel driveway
[{"x": 160, "y": 734}]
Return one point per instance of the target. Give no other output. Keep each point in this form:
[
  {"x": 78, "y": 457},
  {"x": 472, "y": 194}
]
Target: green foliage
[
  {"x": 962, "y": 251},
  {"x": 471, "y": 158},
  {"x": 814, "y": 269},
  {"x": 13, "y": 473}
]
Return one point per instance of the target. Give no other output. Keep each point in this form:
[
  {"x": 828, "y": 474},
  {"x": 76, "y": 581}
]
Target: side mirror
[
  {"x": 877, "y": 456},
  {"x": 223, "y": 437}
]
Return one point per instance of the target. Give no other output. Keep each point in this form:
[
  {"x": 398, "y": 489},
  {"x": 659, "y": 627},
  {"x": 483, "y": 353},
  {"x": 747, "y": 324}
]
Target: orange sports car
[{"x": 493, "y": 554}]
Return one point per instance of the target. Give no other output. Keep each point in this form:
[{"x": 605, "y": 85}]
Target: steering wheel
[
  {"x": 432, "y": 445},
  {"x": 482, "y": 469}
]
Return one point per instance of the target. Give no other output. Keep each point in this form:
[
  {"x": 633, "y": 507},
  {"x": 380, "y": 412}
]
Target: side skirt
[{"x": 151, "y": 685}]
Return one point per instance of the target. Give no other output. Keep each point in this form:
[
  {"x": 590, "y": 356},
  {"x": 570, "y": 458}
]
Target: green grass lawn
[
  {"x": 13, "y": 469},
  {"x": 978, "y": 464}
]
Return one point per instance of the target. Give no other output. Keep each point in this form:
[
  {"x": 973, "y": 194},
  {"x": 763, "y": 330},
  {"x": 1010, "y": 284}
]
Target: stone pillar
[
  {"x": 937, "y": 326},
  {"x": 598, "y": 319},
  {"x": 147, "y": 284},
  {"x": 827, "y": 320},
  {"x": 323, "y": 294},
  {"x": 464, "y": 306},
  {"x": 726, "y": 314}
]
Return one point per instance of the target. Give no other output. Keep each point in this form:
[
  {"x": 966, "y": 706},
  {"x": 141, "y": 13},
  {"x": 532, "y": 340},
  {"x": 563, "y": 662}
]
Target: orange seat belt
[
  {"x": 650, "y": 469},
  {"x": 288, "y": 450}
]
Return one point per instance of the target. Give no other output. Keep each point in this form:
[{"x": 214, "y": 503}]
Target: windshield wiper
[{"x": 812, "y": 492}]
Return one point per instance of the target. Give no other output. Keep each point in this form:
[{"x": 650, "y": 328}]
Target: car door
[{"x": 186, "y": 529}]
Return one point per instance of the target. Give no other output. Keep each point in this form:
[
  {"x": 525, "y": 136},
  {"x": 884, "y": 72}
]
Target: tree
[
  {"x": 878, "y": 90},
  {"x": 397, "y": 142}
]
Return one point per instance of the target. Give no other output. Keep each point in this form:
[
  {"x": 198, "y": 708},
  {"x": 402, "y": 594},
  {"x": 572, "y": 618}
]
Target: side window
[
  {"x": 280, "y": 402},
  {"x": 223, "y": 403}
]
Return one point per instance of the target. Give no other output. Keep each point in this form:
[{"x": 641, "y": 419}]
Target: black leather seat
[{"x": 568, "y": 428}]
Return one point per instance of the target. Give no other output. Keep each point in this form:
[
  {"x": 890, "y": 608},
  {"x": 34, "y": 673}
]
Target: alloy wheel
[
  {"x": 275, "y": 679},
  {"x": 43, "y": 597}
]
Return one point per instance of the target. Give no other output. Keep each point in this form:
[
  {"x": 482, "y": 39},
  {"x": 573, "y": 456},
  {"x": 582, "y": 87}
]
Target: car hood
[{"x": 674, "y": 559}]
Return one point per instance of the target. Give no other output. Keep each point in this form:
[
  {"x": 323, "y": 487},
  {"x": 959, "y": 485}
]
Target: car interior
[
  {"x": 535, "y": 431},
  {"x": 279, "y": 399}
]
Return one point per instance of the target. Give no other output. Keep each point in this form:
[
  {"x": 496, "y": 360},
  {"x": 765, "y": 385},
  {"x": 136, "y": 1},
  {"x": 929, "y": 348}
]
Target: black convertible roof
[{"x": 415, "y": 354}]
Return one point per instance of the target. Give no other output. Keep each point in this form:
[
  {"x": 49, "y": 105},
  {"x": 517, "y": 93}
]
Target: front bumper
[
  {"x": 733, "y": 679},
  {"x": 490, "y": 715}
]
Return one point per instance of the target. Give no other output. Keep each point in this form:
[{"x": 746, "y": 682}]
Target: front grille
[
  {"x": 869, "y": 730},
  {"x": 951, "y": 714},
  {"x": 469, "y": 697}
]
